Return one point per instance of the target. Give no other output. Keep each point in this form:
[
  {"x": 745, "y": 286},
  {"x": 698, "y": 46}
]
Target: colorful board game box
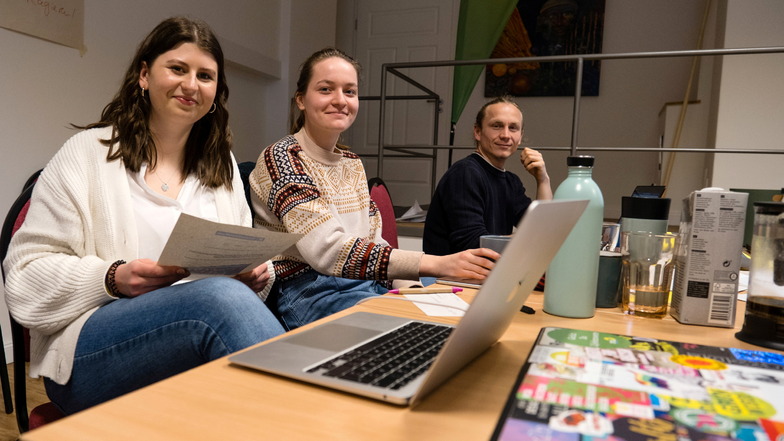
[{"x": 589, "y": 386}]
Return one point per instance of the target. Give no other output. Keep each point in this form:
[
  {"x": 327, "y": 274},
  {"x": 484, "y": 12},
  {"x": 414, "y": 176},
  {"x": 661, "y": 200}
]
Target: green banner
[{"x": 478, "y": 29}]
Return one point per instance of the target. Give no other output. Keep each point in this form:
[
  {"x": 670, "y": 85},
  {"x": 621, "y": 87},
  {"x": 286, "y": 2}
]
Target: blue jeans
[
  {"x": 131, "y": 343},
  {"x": 313, "y": 295}
]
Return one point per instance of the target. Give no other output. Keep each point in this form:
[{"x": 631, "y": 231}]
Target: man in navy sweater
[{"x": 477, "y": 196}]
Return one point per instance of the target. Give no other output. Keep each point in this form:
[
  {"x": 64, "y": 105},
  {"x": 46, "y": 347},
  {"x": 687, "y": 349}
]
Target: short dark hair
[
  {"x": 306, "y": 73},
  {"x": 208, "y": 149}
]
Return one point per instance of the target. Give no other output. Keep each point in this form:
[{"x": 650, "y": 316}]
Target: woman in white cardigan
[{"x": 104, "y": 317}]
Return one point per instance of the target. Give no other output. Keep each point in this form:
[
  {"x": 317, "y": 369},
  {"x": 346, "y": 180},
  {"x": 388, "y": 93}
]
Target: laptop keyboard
[{"x": 392, "y": 360}]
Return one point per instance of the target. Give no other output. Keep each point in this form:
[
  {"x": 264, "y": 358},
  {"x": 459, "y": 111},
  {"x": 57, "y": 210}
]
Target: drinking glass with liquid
[{"x": 647, "y": 269}]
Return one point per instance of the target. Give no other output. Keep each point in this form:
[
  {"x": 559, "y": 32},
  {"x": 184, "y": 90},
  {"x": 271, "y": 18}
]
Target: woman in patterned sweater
[{"x": 306, "y": 183}]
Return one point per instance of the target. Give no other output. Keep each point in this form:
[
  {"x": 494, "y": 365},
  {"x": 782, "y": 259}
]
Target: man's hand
[{"x": 533, "y": 162}]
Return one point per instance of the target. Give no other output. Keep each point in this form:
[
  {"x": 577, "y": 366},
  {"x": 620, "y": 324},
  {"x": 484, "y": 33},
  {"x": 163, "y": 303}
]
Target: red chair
[
  {"x": 379, "y": 193},
  {"x": 47, "y": 412}
]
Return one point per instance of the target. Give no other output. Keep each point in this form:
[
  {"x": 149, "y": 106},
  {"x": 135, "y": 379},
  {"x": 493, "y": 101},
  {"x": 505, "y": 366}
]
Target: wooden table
[{"x": 221, "y": 401}]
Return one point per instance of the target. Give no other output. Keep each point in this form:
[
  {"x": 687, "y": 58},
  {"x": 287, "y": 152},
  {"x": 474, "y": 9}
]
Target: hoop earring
[
  {"x": 142, "y": 91},
  {"x": 212, "y": 110}
]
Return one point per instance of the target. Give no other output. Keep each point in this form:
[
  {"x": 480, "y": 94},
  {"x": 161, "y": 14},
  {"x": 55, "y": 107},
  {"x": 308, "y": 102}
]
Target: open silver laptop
[{"x": 310, "y": 356}]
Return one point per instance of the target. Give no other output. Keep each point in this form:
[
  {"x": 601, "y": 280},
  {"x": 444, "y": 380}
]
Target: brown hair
[
  {"x": 506, "y": 99},
  {"x": 208, "y": 148},
  {"x": 306, "y": 73}
]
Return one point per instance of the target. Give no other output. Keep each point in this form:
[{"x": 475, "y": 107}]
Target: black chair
[
  {"x": 6, "y": 382},
  {"x": 46, "y": 412},
  {"x": 245, "y": 169}
]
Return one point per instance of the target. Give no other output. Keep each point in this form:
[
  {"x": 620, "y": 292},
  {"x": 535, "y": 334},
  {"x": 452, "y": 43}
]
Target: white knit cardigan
[{"x": 81, "y": 219}]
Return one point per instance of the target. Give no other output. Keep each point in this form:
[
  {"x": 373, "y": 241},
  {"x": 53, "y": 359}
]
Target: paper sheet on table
[
  {"x": 441, "y": 299},
  {"x": 414, "y": 214},
  {"x": 212, "y": 248}
]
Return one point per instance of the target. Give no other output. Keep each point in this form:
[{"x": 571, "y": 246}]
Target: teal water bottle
[{"x": 570, "y": 283}]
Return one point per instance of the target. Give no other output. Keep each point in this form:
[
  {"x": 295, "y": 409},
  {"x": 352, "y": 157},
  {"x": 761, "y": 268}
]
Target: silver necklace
[{"x": 164, "y": 185}]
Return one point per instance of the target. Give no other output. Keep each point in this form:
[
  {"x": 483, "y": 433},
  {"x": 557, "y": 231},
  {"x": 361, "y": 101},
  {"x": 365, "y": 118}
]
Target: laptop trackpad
[{"x": 332, "y": 337}]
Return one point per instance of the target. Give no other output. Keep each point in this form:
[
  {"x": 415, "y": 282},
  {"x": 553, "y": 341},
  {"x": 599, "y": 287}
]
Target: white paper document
[
  {"x": 414, "y": 214},
  {"x": 211, "y": 248},
  {"x": 453, "y": 306}
]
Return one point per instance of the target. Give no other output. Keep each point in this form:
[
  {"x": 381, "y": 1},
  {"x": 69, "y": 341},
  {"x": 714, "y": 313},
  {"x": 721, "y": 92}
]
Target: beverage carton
[{"x": 707, "y": 261}]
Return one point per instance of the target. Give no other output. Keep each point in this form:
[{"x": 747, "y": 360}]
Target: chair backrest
[
  {"x": 16, "y": 215},
  {"x": 19, "y": 335},
  {"x": 245, "y": 169},
  {"x": 379, "y": 193}
]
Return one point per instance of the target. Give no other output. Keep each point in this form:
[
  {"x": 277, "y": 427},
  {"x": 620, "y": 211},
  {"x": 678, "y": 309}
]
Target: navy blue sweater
[{"x": 472, "y": 199}]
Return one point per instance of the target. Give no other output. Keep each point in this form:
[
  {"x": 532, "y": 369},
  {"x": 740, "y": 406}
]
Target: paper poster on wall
[{"x": 60, "y": 21}]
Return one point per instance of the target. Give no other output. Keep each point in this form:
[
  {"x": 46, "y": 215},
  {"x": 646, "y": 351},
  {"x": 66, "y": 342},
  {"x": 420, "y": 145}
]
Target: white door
[{"x": 401, "y": 31}]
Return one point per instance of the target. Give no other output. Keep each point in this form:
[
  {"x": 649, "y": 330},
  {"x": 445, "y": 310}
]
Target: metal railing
[{"x": 410, "y": 150}]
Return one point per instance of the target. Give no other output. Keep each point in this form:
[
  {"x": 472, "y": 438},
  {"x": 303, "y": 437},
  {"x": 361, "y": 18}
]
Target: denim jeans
[
  {"x": 313, "y": 295},
  {"x": 131, "y": 343}
]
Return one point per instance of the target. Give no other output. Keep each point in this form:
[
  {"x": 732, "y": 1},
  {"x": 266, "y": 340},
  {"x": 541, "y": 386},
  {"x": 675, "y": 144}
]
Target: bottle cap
[{"x": 579, "y": 161}]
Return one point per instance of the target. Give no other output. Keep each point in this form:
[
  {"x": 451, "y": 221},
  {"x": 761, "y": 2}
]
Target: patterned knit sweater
[{"x": 298, "y": 187}]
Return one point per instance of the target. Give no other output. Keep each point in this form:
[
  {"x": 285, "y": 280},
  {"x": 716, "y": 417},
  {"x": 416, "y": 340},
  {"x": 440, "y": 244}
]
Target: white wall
[
  {"x": 749, "y": 108},
  {"x": 302, "y": 42},
  {"x": 45, "y": 87}
]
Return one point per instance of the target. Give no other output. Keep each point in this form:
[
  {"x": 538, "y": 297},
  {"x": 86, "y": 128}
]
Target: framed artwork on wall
[{"x": 542, "y": 28}]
